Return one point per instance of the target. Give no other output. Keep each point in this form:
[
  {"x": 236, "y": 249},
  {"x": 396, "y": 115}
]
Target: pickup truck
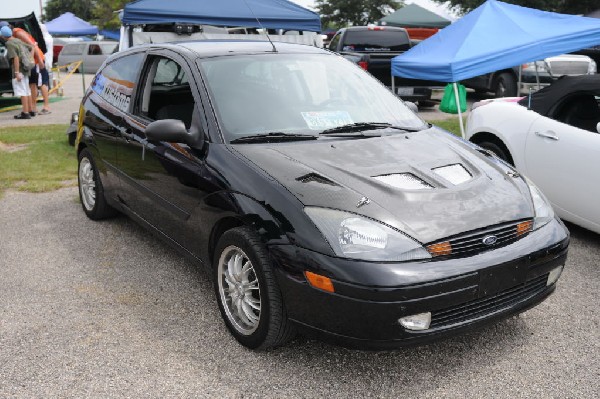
[
  {"x": 31, "y": 25},
  {"x": 374, "y": 47},
  {"x": 503, "y": 83}
]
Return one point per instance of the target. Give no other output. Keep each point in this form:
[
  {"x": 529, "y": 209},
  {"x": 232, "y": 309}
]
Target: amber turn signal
[
  {"x": 320, "y": 282},
  {"x": 524, "y": 228},
  {"x": 440, "y": 249}
]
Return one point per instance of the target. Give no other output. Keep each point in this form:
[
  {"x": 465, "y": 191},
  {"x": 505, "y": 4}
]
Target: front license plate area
[
  {"x": 500, "y": 278},
  {"x": 406, "y": 91}
]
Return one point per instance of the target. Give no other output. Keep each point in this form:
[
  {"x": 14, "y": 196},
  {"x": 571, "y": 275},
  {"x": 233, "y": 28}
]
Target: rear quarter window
[
  {"x": 376, "y": 40},
  {"x": 115, "y": 82}
]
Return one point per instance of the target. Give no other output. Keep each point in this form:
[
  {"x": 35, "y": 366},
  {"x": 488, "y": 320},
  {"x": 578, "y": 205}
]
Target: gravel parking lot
[{"x": 106, "y": 310}]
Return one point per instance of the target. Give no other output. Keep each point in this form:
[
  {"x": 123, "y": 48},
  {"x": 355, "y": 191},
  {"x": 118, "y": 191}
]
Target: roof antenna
[{"x": 261, "y": 25}]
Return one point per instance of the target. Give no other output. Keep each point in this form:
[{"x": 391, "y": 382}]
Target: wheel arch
[
  {"x": 481, "y": 137},
  {"x": 243, "y": 211}
]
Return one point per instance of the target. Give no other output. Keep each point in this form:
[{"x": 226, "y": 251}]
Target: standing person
[
  {"x": 39, "y": 75},
  {"x": 46, "y": 72},
  {"x": 20, "y": 82}
]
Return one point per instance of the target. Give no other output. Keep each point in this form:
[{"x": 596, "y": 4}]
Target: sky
[{"x": 19, "y": 8}]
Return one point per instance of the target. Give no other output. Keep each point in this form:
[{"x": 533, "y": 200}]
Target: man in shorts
[
  {"x": 39, "y": 75},
  {"x": 20, "y": 81}
]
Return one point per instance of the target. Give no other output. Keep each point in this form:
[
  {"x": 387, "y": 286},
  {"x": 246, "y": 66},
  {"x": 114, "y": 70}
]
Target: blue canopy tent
[
  {"x": 69, "y": 24},
  {"x": 273, "y": 14},
  {"x": 495, "y": 36}
]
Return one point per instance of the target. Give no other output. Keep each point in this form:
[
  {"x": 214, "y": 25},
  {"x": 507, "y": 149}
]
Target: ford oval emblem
[{"x": 489, "y": 240}]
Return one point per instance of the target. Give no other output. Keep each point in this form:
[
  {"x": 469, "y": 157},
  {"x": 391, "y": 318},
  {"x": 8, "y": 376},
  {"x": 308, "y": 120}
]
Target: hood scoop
[
  {"x": 315, "y": 178},
  {"x": 404, "y": 181},
  {"x": 455, "y": 173}
]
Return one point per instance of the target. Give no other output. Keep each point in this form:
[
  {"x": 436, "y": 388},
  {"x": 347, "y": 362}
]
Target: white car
[{"x": 553, "y": 138}]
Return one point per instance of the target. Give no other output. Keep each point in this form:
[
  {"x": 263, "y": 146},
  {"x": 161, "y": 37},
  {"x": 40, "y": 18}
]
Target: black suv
[{"x": 317, "y": 200}]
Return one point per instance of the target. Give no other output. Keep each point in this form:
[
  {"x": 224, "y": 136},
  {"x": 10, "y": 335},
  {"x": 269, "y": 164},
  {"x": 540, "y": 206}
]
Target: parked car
[
  {"x": 31, "y": 25},
  {"x": 314, "y": 197},
  {"x": 504, "y": 83},
  {"x": 376, "y": 46},
  {"x": 60, "y": 42},
  {"x": 552, "y": 138},
  {"x": 92, "y": 53}
]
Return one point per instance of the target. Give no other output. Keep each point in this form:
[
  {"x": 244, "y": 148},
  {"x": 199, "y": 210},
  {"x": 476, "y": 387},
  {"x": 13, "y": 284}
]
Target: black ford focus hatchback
[{"x": 316, "y": 198}]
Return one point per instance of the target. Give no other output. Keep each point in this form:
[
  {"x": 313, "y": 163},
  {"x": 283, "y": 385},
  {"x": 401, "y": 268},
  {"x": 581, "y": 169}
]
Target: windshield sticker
[{"x": 326, "y": 119}]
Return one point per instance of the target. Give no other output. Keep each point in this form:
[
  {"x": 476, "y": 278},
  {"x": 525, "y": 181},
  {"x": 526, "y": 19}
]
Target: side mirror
[
  {"x": 412, "y": 106},
  {"x": 598, "y": 127},
  {"x": 171, "y": 130}
]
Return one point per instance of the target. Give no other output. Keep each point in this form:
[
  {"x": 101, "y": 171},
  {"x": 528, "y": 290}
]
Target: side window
[
  {"x": 335, "y": 41},
  {"x": 94, "y": 49},
  {"x": 116, "y": 81},
  {"x": 581, "y": 111},
  {"x": 167, "y": 93}
]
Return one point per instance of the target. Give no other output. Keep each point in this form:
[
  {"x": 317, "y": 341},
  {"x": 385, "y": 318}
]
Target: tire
[
  {"x": 427, "y": 103},
  {"x": 247, "y": 293},
  {"x": 500, "y": 150},
  {"x": 505, "y": 85},
  {"x": 91, "y": 191}
]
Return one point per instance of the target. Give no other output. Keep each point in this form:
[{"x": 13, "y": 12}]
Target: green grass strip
[{"x": 36, "y": 158}]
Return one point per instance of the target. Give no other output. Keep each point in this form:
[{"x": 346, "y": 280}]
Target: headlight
[
  {"x": 543, "y": 211},
  {"x": 541, "y": 66},
  {"x": 357, "y": 237},
  {"x": 592, "y": 67}
]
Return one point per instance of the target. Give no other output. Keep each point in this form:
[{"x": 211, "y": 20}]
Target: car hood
[{"x": 361, "y": 176}]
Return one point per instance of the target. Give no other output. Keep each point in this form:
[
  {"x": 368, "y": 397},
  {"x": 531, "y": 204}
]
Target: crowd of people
[{"x": 30, "y": 68}]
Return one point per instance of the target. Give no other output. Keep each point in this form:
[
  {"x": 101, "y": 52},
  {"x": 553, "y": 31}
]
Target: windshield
[{"x": 298, "y": 94}]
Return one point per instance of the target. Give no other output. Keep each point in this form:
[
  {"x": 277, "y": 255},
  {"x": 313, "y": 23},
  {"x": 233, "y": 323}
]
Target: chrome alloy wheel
[
  {"x": 239, "y": 290},
  {"x": 87, "y": 184}
]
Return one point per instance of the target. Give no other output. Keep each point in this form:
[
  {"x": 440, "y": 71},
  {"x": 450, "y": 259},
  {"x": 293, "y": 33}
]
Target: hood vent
[
  {"x": 405, "y": 181},
  {"x": 455, "y": 173},
  {"x": 315, "y": 178}
]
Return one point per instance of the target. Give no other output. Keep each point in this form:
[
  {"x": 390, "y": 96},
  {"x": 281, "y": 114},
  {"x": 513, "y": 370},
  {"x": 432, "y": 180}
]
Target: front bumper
[{"x": 460, "y": 293}]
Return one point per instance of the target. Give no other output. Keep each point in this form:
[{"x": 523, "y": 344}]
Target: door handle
[{"x": 547, "y": 135}]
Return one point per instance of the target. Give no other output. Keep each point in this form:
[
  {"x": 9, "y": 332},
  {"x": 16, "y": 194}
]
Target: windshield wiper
[
  {"x": 362, "y": 126},
  {"x": 272, "y": 137}
]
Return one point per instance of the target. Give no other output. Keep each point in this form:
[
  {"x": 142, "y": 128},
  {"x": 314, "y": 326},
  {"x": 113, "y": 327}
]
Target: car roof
[
  {"x": 544, "y": 100},
  {"x": 91, "y": 42},
  {"x": 213, "y": 48}
]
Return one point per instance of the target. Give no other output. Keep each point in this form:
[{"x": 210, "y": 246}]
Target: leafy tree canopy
[
  {"x": 81, "y": 8},
  {"x": 561, "y": 6},
  {"x": 340, "y": 13},
  {"x": 106, "y": 13}
]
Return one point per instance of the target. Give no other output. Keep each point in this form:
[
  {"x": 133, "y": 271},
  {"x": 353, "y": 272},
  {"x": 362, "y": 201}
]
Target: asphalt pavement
[{"x": 104, "y": 309}]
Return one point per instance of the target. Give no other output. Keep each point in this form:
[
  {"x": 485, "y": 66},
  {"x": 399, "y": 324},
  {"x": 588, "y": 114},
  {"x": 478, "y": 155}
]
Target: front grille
[
  {"x": 477, "y": 241},
  {"x": 559, "y": 68},
  {"x": 485, "y": 306}
]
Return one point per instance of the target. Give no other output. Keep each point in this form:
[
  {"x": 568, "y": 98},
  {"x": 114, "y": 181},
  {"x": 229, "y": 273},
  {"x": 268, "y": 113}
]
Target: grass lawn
[
  {"x": 36, "y": 158},
  {"x": 450, "y": 124}
]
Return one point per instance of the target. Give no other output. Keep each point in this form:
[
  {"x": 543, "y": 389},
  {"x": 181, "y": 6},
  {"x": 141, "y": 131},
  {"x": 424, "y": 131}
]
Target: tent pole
[
  {"x": 393, "y": 82},
  {"x": 520, "y": 80},
  {"x": 462, "y": 128},
  {"x": 537, "y": 75}
]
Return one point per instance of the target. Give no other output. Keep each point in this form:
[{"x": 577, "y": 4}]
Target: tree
[
  {"x": 354, "y": 12},
  {"x": 561, "y": 6},
  {"x": 81, "y": 8},
  {"x": 106, "y": 13}
]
